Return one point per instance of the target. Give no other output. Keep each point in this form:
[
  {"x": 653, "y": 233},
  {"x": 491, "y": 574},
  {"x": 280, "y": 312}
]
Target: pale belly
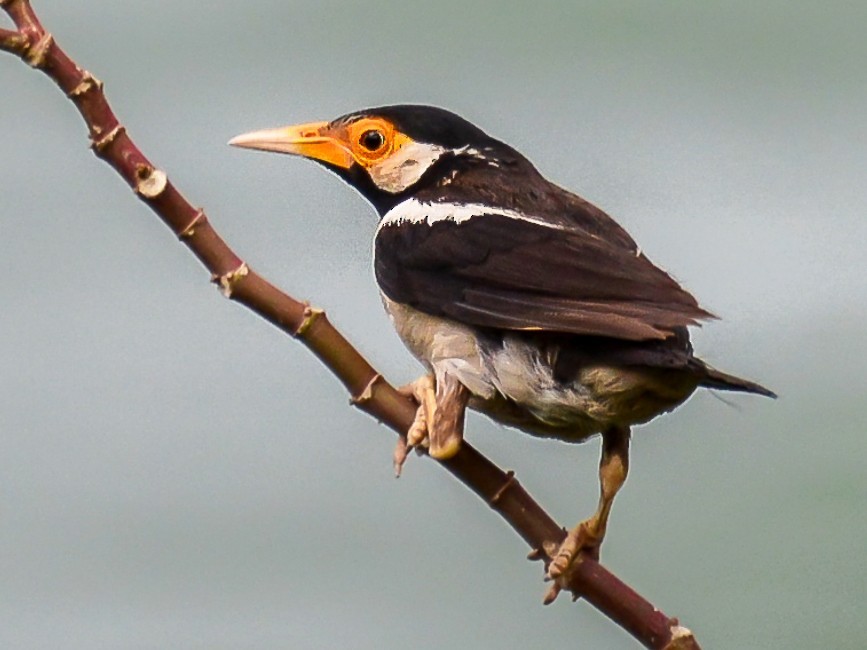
[{"x": 513, "y": 381}]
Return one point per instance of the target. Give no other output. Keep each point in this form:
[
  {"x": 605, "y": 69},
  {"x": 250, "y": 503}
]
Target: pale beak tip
[{"x": 237, "y": 141}]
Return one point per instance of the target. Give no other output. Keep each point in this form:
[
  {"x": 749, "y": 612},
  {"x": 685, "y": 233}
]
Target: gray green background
[{"x": 175, "y": 473}]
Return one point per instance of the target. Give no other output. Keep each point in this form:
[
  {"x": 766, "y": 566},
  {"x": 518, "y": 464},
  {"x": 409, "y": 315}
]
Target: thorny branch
[{"x": 368, "y": 390}]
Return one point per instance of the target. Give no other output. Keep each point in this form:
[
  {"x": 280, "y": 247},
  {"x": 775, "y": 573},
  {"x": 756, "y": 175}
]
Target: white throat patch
[{"x": 405, "y": 166}]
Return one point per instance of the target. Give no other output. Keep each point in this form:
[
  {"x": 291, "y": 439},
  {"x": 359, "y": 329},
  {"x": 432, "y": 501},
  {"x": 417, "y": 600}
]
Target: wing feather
[{"x": 496, "y": 270}]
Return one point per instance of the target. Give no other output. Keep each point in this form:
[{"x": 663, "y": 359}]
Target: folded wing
[{"x": 496, "y": 270}]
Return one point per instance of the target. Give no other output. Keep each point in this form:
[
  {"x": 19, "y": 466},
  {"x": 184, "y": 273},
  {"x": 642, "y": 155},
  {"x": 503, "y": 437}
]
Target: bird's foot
[
  {"x": 584, "y": 539},
  {"x": 439, "y": 421},
  {"x": 415, "y": 438},
  {"x": 423, "y": 392}
]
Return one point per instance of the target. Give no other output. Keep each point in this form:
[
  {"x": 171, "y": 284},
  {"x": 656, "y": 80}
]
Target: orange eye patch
[{"x": 373, "y": 139}]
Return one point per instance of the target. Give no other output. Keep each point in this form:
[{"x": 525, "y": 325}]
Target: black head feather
[{"x": 427, "y": 124}]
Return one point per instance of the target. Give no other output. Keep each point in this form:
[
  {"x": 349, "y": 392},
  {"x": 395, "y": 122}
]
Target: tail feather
[{"x": 714, "y": 378}]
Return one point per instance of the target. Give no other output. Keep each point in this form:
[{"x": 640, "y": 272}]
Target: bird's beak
[{"x": 314, "y": 140}]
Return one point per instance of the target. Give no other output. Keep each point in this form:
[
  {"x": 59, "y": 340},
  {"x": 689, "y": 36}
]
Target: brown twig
[{"x": 368, "y": 390}]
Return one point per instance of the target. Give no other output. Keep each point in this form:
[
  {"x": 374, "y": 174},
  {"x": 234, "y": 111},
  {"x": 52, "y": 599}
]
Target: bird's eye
[{"x": 372, "y": 140}]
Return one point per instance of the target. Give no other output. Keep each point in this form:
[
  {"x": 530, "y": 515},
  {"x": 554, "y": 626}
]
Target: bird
[{"x": 521, "y": 299}]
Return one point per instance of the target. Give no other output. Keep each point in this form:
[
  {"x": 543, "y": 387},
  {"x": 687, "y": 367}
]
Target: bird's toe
[{"x": 581, "y": 540}]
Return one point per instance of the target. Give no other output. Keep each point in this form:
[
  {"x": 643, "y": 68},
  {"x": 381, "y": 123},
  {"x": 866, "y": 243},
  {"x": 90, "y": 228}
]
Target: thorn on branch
[
  {"x": 310, "y": 316},
  {"x": 367, "y": 393},
  {"x": 510, "y": 481},
  {"x": 227, "y": 281}
]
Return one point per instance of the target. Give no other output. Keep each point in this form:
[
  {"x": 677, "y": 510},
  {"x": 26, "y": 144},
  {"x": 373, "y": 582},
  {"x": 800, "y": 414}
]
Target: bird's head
[{"x": 387, "y": 152}]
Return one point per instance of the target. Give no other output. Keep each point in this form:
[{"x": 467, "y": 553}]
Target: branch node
[
  {"x": 510, "y": 481},
  {"x": 36, "y": 54},
  {"x": 229, "y": 280},
  {"x": 367, "y": 393},
  {"x": 681, "y": 638},
  {"x": 151, "y": 182},
  {"x": 100, "y": 144},
  {"x": 311, "y": 314},
  {"x": 190, "y": 229},
  {"x": 88, "y": 82}
]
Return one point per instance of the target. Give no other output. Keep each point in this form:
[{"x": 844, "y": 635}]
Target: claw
[
  {"x": 439, "y": 419},
  {"x": 401, "y": 451},
  {"x": 552, "y": 593}
]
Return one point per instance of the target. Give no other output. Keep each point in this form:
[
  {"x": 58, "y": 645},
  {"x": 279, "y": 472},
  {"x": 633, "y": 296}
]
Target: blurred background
[{"x": 175, "y": 473}]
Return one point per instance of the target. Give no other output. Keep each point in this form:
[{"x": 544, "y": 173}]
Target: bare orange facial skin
[
  {"x": 372, "y": 139},
  {"x": 367, "y": 141}
]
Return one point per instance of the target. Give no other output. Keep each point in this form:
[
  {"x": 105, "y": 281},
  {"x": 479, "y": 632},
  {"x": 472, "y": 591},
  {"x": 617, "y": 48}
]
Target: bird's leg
[
  {"x": 587, "y": 536},
  {"x": 439, "y": 420},
  {"x": 446, "y": 427}
]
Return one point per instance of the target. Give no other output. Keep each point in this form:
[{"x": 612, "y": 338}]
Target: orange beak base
[{"x": 314, "y": 140}]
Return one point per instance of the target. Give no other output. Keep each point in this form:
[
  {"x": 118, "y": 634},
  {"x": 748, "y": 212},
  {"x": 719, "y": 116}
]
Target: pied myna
[{"x": 520, "y": 298}]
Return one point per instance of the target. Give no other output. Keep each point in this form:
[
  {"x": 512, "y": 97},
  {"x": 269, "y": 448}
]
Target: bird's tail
[{"x": 714, "y": 378}]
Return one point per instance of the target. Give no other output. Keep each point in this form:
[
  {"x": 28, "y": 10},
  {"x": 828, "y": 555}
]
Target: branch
[{"x": 367, "y": 388}]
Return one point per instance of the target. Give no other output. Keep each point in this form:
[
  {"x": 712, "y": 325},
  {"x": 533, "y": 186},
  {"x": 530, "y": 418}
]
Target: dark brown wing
[{"x": 496, "y": 270}]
